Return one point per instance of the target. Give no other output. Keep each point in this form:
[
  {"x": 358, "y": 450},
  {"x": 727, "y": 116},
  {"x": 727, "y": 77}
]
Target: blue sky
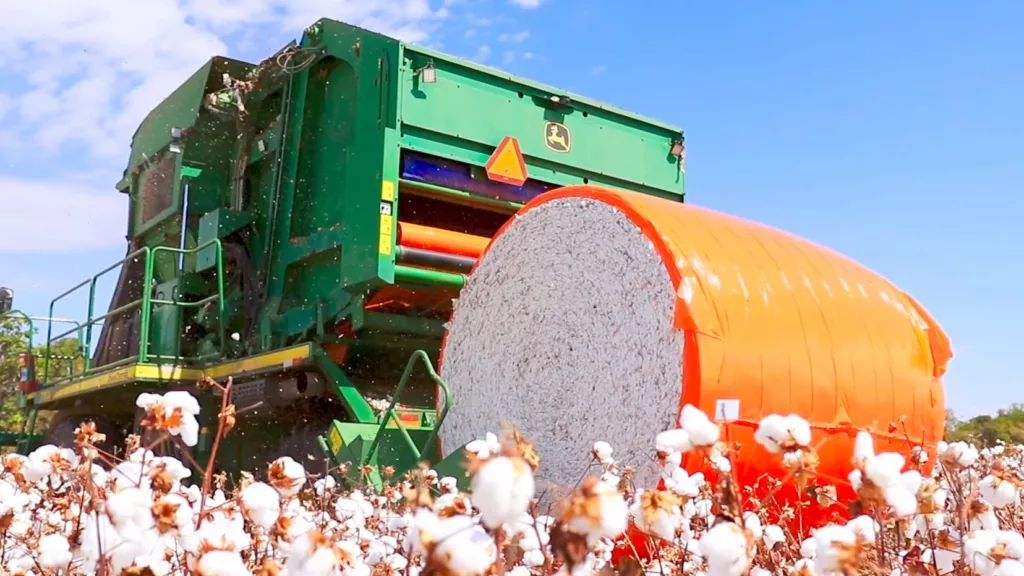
[{"x": 889, "y": 131}]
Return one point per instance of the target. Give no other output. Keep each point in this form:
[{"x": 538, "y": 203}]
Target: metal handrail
[
  {"x": 390, "y": 414},
  {"x": 219, "y": 297},
  {"x": 91, "y": 282},
  {"x": 145, "y": 303}
]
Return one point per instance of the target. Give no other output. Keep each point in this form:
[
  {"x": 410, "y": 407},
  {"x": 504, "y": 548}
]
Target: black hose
[{"x": 422, "y": 257}]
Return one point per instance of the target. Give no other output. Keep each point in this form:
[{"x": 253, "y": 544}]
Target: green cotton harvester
[{"x": 302, "y": 225}]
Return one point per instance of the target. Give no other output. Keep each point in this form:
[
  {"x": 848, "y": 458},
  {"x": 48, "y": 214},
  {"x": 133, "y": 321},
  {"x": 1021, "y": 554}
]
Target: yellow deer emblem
[{"x": 556, "y": 137}]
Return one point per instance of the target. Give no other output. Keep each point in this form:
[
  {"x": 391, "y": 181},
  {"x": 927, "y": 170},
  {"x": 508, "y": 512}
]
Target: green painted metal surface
[
  {"x": 470, "y": 108},
  {"x": 266, "y": 201}
]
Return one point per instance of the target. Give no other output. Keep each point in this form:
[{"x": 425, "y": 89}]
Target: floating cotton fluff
[{"x": 565, "y": 331}]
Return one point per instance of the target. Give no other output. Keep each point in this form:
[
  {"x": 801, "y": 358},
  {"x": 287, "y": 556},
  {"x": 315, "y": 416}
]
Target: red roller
[{"x": 438, "y": 240}]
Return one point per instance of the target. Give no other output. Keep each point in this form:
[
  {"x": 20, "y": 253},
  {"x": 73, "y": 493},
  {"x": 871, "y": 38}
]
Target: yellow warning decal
[
  {"x": 334, "y": 439},
  {"x": 387, "y": 191},
  {"x": 385, "y": 235}
]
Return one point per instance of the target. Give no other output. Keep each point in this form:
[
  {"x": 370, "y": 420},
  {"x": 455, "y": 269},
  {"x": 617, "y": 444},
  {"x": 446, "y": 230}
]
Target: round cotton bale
[{"x": 597, "y": 314}]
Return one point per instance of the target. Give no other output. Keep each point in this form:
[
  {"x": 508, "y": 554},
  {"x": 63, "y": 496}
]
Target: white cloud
[
  {"x": 92, "y": 70},
  {"x": 528, "y": 4},
  {"x": 47, "y": 216},
  {"x": 77, "y": 77},
  {"x": 519, "y": 37},
  {"x": 482, "y": 53},
  {"x": 598, "y": 69}
]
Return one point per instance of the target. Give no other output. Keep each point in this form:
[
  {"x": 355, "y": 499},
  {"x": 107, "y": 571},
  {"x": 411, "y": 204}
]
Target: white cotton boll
[
  {"x": 448, "y": 484},
  {"x": 287, "y": 476},
  {"x": 660, "y": 568},
  {"x": 776, "y": 431},
  {"x": 611, "y": 478},
  {"x": 502, "y": 490},
  {"x": 612, "y": 512},
  {"x": 1012, "y": 541},
  {"x": 688, "y": 510},
  {"x": 884, "y": 469},
  {"x": 603, "y": 452},
  {"x": 181, "y": 518},
  {"x": 945, "y": 560},
  {"x": 856, "y": 478},
  {"x": 156, "y": 564},
  {"x": 129, "y": 474},
  {"x": 673, "y": 442},
  {"x": 962, "y": 453},
  {"x": 927, "y": 523},
  {"x": 718, "y": 457},
  {"x": 129, "y": 511},
  {"x": 902, "y": 501},
  {"x": 997, "y": 492},
  {"x": 350, "y": 510},
  {"x": 773, "y": 535},
  {"x": 177, "y": 410},
  {"x": 519, "y": 571},
  {"x": 261, "y": 503},
  {"x": 297, "y": 525},
  {"x": 486, "y": 447},
  {"x": 397, "y": 562},
  {"x": 753, "y": 523},
  {"x": 724, "y": 548},
  {"x": 911, "y": 481},
  {"x": 375, "y": 552},
  {"x": 220, "y": 532},
  {"x": 533, "y": 558},
  {"x": 1010, "y": 568},
  {"x": 985, "y": 520},
  {"x": 863, "y": 447},
  {"x": 393, "y": 522},
  {"x": 181, "y": 399},
  {"x": 315, "y": 555},
  {"x": 54, "y": 552},
  {"x": 452, "y": 502},
  {"x": 826, "y": 554},
  {"x": 221, "y": 563},
  {"x": 802, "y": 567},
  {"x": 682, "y": 484},
  {"x": 463, "y": 546},
  {"x": 48, "y": 462},
  {"x": 673, "y": 461},
  {"x": 702, "y": 431},
  {"x": 324, "y": 485},
  {"x": 977, "y": 546},
  {"x": 758, "y": 571},
  {"x": 664, "y": 523},
  {"x": 12, "y": 499},
  {"x": 864, "y": 526},
  {"x": 704, "y": 507}
]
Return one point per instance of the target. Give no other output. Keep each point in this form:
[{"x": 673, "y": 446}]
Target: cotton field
[{"x": 83, "y": 511}]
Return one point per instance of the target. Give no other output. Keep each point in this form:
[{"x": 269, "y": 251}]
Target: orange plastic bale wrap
[{"x": 781, "y": 325}]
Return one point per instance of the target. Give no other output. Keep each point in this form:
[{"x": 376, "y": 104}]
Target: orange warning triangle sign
[{"x": 507, "y": 164}]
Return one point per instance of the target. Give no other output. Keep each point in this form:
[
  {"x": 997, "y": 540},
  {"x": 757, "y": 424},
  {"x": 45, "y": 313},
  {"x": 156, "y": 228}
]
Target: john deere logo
[{"x": 556, "y": 137}]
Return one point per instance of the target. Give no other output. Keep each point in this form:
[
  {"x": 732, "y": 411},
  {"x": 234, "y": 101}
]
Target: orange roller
[
  {"x": 766, "y": 322},
  {"x": 438, "y": 240}
]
